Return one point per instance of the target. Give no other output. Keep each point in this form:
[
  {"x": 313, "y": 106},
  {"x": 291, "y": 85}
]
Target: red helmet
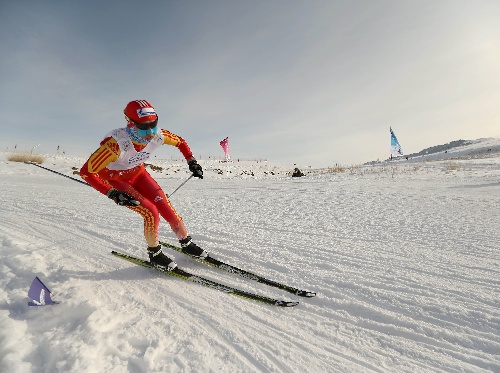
[{"x": 140, "y": 111}]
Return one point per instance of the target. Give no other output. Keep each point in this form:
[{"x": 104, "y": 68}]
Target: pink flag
[{"x": 225, "y": 146}]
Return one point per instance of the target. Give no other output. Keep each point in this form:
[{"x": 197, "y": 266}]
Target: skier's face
[{"x": 147, "y": 130}]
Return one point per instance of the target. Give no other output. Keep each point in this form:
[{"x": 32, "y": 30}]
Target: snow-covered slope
[
  {"x": 458, "y": 150},
  {"x": 404, "y": 259}
]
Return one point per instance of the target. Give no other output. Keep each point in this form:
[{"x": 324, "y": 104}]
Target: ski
[
  {"x": 241, "y": 272},
  {"x": 177, "y": 272}
]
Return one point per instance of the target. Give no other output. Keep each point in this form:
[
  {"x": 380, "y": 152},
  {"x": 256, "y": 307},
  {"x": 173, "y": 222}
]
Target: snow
[{"x": 403, "y": 255}]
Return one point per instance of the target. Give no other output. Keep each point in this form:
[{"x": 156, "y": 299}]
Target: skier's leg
[
  {"x": 151, "y": 216},
  {"x": 154, "y": 193},
  {"x": 146, "y": 209}
]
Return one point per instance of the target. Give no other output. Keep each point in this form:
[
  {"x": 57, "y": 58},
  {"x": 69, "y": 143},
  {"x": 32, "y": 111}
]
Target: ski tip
[
  {"x": 306, "y": 294},
  {"x": 282, "y": 303}
]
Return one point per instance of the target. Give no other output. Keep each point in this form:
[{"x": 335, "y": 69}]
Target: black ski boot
[
  {"x": 160, "y": 260},
  {"x": 189, "y": 247}
]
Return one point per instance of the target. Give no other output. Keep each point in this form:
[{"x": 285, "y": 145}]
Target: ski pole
[
  {"x": 84, "y": 183},
  {"x": 48, "y": 169},
  {"x": 185, "y": 181}
]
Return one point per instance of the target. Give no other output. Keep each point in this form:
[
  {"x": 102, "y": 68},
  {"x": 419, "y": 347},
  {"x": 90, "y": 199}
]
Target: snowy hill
[
  {"x": 454, "y": 150},
  {"x": 461, "y": 149},
  {"x": 403, "y": 255}
]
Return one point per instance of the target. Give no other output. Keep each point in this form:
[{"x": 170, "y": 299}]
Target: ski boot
[
  {"x": 160, "y": 260},
  {"x": 190, "y": 248}
]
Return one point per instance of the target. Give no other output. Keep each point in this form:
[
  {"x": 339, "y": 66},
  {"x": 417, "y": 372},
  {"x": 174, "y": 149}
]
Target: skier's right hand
[{"x": 122, "y": 198}]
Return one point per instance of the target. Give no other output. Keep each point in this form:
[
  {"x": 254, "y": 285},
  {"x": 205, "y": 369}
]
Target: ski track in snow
[{"x": 406, "y": 268}]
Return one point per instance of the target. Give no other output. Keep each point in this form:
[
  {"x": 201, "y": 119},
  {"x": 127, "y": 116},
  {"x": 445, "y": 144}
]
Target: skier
[{"x": 117, "y": 170}]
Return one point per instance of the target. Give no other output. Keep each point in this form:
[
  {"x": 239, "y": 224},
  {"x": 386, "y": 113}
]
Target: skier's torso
[
  {"x": 131, "y": 157},
  {"x": 121, "y": 156}
]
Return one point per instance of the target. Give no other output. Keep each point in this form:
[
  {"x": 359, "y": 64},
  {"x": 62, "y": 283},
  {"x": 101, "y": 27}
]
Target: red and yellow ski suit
[{"x": 119, "y": 164}]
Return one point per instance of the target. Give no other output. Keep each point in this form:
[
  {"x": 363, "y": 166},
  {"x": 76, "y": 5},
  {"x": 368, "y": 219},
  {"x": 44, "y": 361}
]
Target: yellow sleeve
[
  {"x": 177, "y": 141},
  {"x": 107, "y": 153}
]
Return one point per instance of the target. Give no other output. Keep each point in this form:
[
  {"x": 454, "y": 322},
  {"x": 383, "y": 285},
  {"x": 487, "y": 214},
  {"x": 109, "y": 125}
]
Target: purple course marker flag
[{"x": 39, "y": 294}]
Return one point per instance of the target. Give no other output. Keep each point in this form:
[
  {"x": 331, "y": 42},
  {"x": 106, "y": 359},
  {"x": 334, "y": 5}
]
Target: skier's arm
[
  {"x": 108, "y": 152},
  {"x": 179, "y": 142}
]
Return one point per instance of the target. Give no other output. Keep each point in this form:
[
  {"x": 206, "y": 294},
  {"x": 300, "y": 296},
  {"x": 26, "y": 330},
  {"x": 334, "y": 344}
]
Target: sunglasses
[{"x": 146, "y": 126}]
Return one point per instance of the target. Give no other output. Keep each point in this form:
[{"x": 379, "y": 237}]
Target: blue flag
[{"x": 396, "y": 148}]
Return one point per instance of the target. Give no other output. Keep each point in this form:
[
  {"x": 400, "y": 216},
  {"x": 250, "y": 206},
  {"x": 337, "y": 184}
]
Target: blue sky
[{"x": 307, "y": 82}]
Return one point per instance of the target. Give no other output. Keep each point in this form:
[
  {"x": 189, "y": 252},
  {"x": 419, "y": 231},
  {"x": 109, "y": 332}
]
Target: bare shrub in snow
[{"x": 25, "y": 157}]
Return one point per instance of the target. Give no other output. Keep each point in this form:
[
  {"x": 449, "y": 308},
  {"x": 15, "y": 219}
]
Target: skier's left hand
[{"x": 195, "y": 168}]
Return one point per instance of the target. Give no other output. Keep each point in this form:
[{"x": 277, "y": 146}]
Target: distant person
[
  {"x": 117, "y": 170},
  {"x": 297, "y": 172}
]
